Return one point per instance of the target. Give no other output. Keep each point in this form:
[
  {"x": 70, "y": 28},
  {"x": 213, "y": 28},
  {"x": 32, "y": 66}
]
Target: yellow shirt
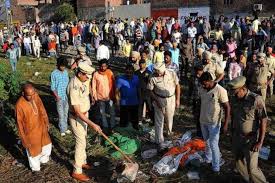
[
  {"x": 127, "y": 50},
  {"x": 158, "y": 57}
]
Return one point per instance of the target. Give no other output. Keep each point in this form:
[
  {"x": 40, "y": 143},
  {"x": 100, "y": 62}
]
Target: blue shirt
[
  {"x": 128, "y": 90},
  {"x": 59, "y": 83},
  {"x": 175, "y": 55}
]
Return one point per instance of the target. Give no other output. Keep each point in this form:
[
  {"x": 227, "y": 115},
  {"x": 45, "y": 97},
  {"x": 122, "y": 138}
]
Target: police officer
[
  {"x": 270, "y": 60},
  {"x": 214, "y": 69},
  {"x": 78, "y": 94},
  {"x": 249, "y": 119},
  {"x": 257, "y": 76},
  {"x": 165, "y": 93}
]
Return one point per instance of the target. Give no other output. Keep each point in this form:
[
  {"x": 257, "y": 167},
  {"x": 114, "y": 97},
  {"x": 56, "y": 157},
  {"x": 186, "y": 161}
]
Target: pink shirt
[
  {"x": 231, "y": 47},
  {"x": 234, "y": 70}
]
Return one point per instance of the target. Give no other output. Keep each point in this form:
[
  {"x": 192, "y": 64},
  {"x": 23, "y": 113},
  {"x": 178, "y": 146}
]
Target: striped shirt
[{"x": 59, "y": 83}]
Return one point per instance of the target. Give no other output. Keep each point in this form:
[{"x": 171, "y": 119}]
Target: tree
[{"x": 64, "y": 12}]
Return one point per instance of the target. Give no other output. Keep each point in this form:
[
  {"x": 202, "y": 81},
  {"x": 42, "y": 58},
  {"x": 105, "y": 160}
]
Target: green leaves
[
  {"x": 9, "y": 83},
  {"x": 64, "y": 12}
]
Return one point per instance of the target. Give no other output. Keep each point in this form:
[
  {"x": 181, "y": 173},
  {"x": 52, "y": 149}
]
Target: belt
[
  {"x": 74, "y": 115},
  {"x": 163, "y": 96}
]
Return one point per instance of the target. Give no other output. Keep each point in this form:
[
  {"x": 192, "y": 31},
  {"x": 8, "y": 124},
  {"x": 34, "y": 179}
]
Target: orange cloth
[
  {"x": 103, "y": 85},
  {"x": 32, "y": 125},
  {"x": 74, "y": 31},
  {"x": 193, "y": 145},
  {"x": 52, "y": 45}
]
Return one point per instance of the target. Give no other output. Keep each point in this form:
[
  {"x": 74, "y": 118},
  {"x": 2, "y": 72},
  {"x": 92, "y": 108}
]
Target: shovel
[{"x": 130, "y": 169}]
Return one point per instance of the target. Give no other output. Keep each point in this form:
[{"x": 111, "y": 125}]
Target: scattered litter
[
  {"x": 36, "y": 73},
  {"x": 29, "y": 63},
  {"x": 187, "y": 136},
  {"x": 264, "y": 152},
  {"x": 149, "y": 153},
  {"x": 168, "y": 165},
  {"x": 193, "y": 175},
  {"x": 96, "y": 163},
  {"x": 166, "y": 144},
  {"x": 122, "y": 180},
  {"x": 193, "y": 157},
  {"x": 142, "y": 176}
]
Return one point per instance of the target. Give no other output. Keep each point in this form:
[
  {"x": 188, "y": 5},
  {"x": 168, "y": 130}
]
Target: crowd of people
[{"x": 227, "y": 64}]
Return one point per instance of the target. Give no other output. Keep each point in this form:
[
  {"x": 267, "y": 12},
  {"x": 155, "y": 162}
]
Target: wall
[
  {"x": 156, "y": 4},
  {"x": 132, "y": 11},
  {"x": 202, "y": 11},
  {"x": 164, "y": 13},
  {"x": 91, "y": 13}
]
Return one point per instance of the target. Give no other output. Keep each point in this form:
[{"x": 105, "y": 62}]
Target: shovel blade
[{"x": 130, "y": 171}]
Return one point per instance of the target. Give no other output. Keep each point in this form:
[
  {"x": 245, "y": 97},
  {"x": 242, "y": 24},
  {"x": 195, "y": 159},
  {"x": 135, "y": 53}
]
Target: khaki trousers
[
  {"x": 263, "y": 93},
  {"x": 247, "y": 161},
  {"x": 164, "y": 115},
  {"x": 79, "y": 129}
]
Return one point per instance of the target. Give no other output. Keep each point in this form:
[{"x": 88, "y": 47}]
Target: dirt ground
[{"x": 14, "y": 165}]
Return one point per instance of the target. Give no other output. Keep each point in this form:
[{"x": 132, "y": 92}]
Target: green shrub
[
  {"x": 64, "y": 12},
  {"x": 9, "y": 83}
]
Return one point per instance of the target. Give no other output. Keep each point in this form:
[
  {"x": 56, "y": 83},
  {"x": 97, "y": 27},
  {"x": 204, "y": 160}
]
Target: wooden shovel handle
[{"x": 115, "y": 146}]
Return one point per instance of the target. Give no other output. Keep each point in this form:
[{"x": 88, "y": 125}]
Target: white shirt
[
  {"x": 102, "y": 52},
  {"x": 36, "y": 43},
  {"x": 192, "y": 32},
  {"x": 255, "y": 25},
  {"x": 177, "y": 36},
  {"x": 26, "y": 40}
]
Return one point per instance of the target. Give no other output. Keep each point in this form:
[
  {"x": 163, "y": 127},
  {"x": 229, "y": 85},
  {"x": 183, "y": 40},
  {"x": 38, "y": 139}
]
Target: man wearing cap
[
  {"x": 78, "y": 94},
  {"x": 249, "y": 120},
  {"x": 214, "y": 69},
  {"x": 165, "y": 93},
  {"x": 82, "y": 54},
  {"x": 257, "y": 76},
  {"x": 135, "y": 57}
]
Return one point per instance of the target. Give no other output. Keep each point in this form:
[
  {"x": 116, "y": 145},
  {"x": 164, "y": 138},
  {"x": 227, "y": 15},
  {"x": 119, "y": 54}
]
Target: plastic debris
[
  {"x": 264, "y": 152},
  {"x": 168, "y": 165},
  {"x": 149, "y": 153},
  {"x": 193, "y": 175},
  {"x": 166, "y": 144},
  {"x": 187, "y": 136},
  {"x": 96, "y": 163}
]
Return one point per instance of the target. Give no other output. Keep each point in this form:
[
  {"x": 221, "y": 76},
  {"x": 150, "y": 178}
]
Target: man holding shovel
[{"x": 78, "y": 95}]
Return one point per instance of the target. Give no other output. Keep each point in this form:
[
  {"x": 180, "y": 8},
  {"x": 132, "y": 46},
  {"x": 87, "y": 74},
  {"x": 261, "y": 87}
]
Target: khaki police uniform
[
  {"x": 246, "y": 114},
  {"x": 164, "y": 88},
  {"x": 214, "y": 69},
  {"x": 78, "y": 94},
  {"x": 257, "y": 79},
  {"x": 270, "y": 61}
]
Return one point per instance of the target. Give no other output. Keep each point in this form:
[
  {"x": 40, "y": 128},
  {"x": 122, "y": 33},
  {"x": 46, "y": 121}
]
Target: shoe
[
  {"x": 68, "y": 132},
  {"x": 87, "y": 167},
  {"x": 80, "y": 177},
  {"x": 63, "y": 134}
]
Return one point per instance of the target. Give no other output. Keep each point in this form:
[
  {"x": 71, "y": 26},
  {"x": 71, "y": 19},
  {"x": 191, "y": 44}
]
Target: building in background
[{"x": 90, "y": 9}]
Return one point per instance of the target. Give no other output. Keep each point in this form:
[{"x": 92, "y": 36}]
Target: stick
[{"x": 117, "y": 148}]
